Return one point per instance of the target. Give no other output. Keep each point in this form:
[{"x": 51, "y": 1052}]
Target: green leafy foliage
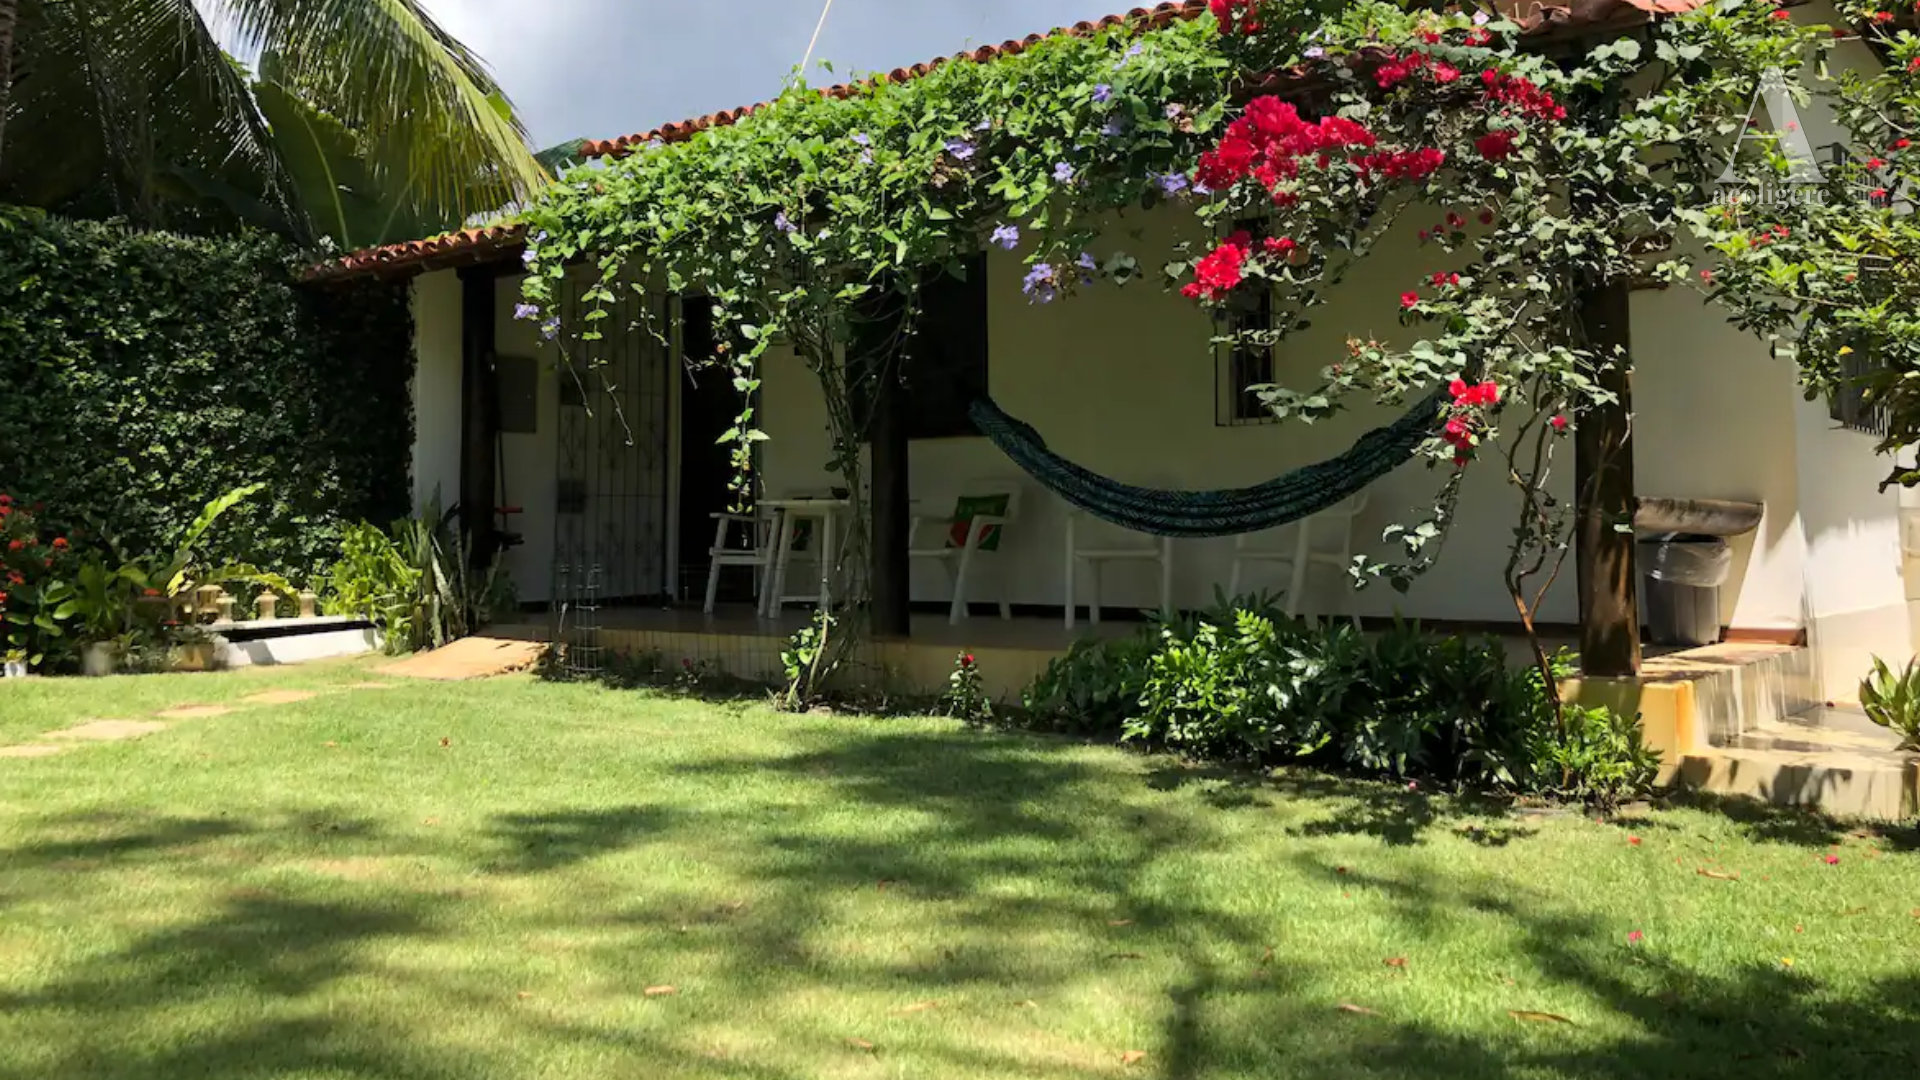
[
  {"x": 809, "y": 660},
  {"x": 1245, "y": 684},
  {"x": 414, "y": 582},
  {"x": 36, "y": 591},
  {"x": 965, "y": 698},
  {"x": 1594, "y": 755},
  {"x": 1892, "y": 700},
  {"x": 147, "y": 372}
]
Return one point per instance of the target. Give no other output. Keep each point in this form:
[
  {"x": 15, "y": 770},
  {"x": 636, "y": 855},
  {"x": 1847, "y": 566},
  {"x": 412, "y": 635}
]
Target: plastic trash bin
[{"x": 1684, "y": 572}]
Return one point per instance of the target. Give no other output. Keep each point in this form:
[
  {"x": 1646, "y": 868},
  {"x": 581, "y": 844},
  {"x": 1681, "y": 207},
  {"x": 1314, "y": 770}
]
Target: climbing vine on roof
[{"x": 1535, "y": 176}]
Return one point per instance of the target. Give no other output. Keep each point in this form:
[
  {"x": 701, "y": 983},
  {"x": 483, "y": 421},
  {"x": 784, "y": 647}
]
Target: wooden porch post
[
  {"x": 891, "y": 507},
  {"x": 1605, "y": 501},
  {"x": 479, "y": 422}
]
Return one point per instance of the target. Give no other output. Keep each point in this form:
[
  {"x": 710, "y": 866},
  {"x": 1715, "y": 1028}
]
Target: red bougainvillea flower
[
  {"x": 1495, "y": 145},
  {"x": 60, "y": 543},
  {"x": 1706, "y": 275},
  {"x": 1486, "y": 393},
  {"x": 1409, "y": 299},
  {"x": 1876, "y": 194},
  {"x": 1833, "y": 860},
  {"x": 1486, "y": 217},
  {"x": 5, "y": 499},
  {"x": 1520, "y": 92},
  {"x": 1883, "y": 16},
  {"x": 1479, "y": 36},
  {"x": 1902, "y": 144},
  {"x": 1281, "y": 246},
  {"x": 1219, "y": 271},
  {"x": 3, "y": 598},
  {"x": 1782, "y": 14},
  {"x": 150, "y": 592},
  {"x": 16, "y": 545},
  {"x": 1235, "y": 15},
  {"x": 1875, "y": 163},
  {"x": 1560, "y": 424}
]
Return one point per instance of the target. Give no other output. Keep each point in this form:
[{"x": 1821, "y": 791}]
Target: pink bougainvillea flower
[
  {"x": 1409, "y": 299},
  {"x": 1833, "y": 860},
  {"x": 1635, "y": 937}
]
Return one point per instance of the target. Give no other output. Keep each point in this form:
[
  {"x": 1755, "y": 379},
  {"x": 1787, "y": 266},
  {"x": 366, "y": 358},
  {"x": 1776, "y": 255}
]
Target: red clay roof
[{"x": 1540, "y": 18}]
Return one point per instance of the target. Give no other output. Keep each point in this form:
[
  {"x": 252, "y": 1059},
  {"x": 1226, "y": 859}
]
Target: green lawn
[{"x": 485, "y": 879}]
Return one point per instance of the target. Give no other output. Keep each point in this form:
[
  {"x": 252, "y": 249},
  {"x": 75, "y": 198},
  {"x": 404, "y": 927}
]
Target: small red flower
[
  {"x": 5, "y": 499},
  {"x": 1634, "y": 840},
  {"x": 1455, "y": 221},
  {"x": 3, "y": 598},
  {"x": 1833, "y": 860},
  {"x": 150, "y": 592},
  {"x": 1706, "y": 275},
  {"x": 14, "y": 577},
  {"x": 16, "y": 545},
  {"x": 1409, "y": 299},
  {"x": 60, "y": 543},
  {"x": 1486, "y": 217},
  {"x": 1281, "y": 246},
  {"x": 1902, "y": 144},
  {"x": 1560, "y": 424},
  {"x": 1495, "y": 145},
  {"x": 1883, "y": 16},
  {"x": 966, "y": 660},
  {"x": 1875, "y": 163},
  {"x": 1635, "y": 937},
  {"x": 1877, "y": 193},
  {"x": 1782, "y": 14}
]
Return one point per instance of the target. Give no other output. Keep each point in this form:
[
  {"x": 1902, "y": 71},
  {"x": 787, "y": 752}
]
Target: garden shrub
[
  {"x": 1246, "y": 684},
  {"x": 144, "y": 373}
]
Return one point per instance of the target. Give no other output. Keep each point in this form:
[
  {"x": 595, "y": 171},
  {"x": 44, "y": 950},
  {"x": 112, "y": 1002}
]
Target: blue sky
[{"x": 601, "y": 68}]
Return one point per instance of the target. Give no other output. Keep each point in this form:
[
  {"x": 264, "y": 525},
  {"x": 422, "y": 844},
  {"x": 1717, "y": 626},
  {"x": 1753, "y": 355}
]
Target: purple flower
[
  {"x": 1038, "y": 284},
  {"x": 866, "y": 157},
  {"x": 984, "y": 125},
  {"x": 960, "y": 148},
  {"x": 1133, "y": 52},
  {"x": 527, "y": 257},
  {"x": 526, "y": 311},
  {"x": 1007, "y": 236},
  {"x": 1201, "y": 189},
  {"x": 1173, "y": 183},
  {"x": 1115, "y": 126},
  {"x": 861, "y": 138},
  {"x": 1102, "y": 94},
  {"x": 1062, "y": 173},
  {"x": 551, "y": 328},
  {"x": 1085, "y": 263},
  {"x": 1314, "y": 53},
  {"x": 1174, "y": 109},
  {"x": 780, "y": 222},
  {"x": 1481, "y": 18}
]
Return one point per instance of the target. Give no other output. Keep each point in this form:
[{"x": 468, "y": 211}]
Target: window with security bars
[
  {"x": 1242, "y": 365},
  {"x": 1849, "y": 405}
]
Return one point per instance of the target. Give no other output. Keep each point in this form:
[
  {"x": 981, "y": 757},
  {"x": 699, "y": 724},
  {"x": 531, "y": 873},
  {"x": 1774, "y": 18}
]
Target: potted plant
[
  {"x": 14, "y": 664},
  {"x": 192, "y": 647},
  {"x": 103, "y": 600}
]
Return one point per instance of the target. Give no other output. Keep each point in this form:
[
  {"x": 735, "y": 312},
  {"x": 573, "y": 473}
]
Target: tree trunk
[
  {"x": 9, "y": 18},
  {"x": 1603, "y": 486}
]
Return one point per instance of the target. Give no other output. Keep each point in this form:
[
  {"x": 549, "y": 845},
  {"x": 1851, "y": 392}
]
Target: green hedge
[{"x": 143, "y": 373}]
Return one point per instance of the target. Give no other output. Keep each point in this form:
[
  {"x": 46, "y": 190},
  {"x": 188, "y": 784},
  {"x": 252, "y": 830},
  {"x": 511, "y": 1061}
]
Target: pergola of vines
[{"x": 1542, "y": 173}]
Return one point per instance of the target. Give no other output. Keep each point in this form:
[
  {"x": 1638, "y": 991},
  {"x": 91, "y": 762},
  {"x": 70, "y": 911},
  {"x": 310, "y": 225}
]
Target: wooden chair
[
  {"x": 1302, "y": 554},
  {"x": 1157, "y": 550},
  {"x": 758, "y": 554},
  {"x": 974, "y": 527}
]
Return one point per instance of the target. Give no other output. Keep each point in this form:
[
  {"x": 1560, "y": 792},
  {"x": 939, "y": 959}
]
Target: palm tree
[{"x": 368, "y": 122}]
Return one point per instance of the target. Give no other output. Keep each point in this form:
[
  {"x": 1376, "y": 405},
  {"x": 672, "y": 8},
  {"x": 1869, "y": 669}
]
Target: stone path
[{"x": 469, "y": 658}]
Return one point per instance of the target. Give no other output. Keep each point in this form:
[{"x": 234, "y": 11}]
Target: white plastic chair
[
  {"x": 1157, "y": 550},
  {"x": 1301, "y": 555},
  {"x": 978, "y": 539},
  {"x": 758, "y": 553}
]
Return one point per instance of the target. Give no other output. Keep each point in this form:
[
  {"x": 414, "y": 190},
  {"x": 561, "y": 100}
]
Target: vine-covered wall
[{"x": 143, "y": 373}]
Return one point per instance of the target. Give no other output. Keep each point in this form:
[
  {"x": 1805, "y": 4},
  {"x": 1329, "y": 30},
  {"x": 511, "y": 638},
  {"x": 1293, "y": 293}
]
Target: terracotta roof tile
[{"x": 1537, "y": 17}]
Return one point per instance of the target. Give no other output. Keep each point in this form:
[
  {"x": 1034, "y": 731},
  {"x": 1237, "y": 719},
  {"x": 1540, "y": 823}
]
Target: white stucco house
[{"x": 1125, "y": 381}]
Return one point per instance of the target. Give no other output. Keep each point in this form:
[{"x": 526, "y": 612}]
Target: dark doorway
[{"x": 708, "y": 406}]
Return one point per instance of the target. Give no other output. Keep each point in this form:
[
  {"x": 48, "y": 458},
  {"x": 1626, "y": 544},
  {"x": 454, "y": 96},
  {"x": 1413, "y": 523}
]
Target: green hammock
[{"x": 1295, "y": 495}]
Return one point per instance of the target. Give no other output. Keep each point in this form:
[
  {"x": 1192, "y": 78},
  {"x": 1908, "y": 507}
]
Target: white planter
[
  {"x": 99, "y": 658},
  {"x": 13, "y": 669}
]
